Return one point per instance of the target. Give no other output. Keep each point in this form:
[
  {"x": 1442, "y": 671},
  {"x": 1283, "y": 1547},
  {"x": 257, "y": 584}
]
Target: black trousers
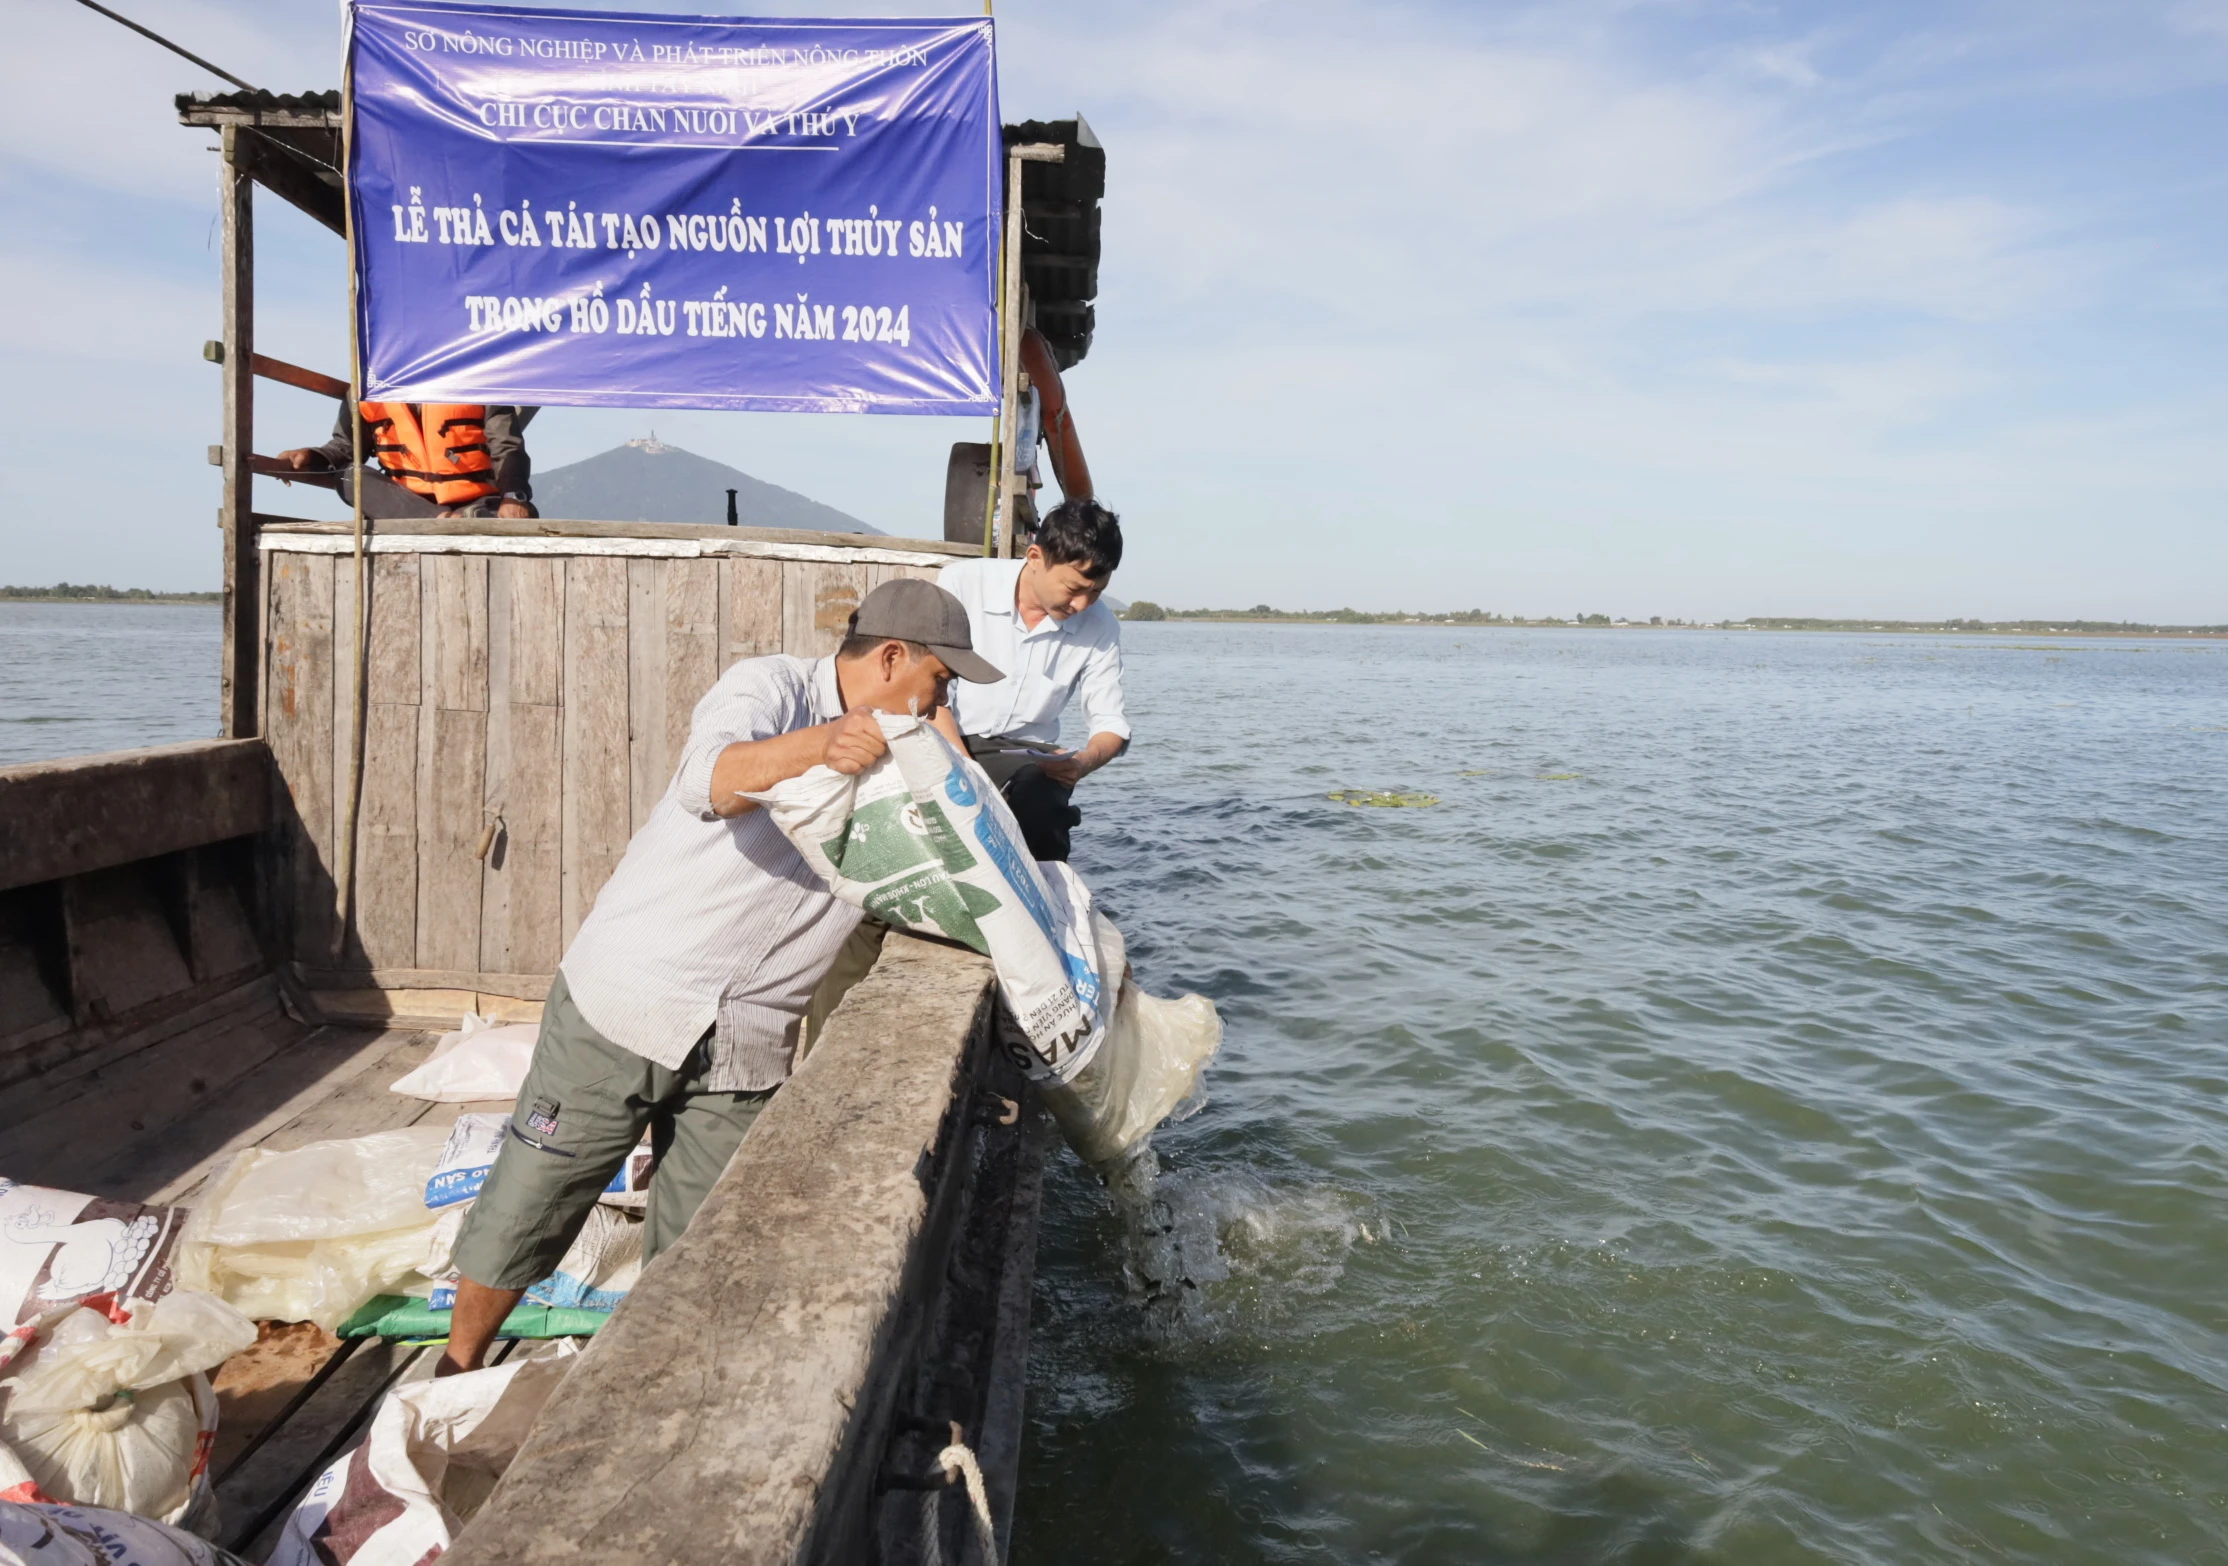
[
  {"x": 387, "y": 501},
  {"x": 1039, "y": 801}
]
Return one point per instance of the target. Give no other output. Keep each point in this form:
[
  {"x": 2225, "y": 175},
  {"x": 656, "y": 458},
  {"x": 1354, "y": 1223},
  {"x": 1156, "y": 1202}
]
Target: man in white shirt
[
  {"x": 677, "y": 1007},
  {"x": 1039, "y": 619}
]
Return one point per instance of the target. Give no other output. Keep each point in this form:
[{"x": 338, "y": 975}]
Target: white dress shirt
[
  {"x": 712, "y": 919},
  {"x": 1045, "y": 667}
]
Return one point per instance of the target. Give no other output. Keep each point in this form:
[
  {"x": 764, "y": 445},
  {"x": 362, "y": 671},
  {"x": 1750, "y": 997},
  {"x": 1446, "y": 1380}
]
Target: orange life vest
[{"x": 438, "y": 449}]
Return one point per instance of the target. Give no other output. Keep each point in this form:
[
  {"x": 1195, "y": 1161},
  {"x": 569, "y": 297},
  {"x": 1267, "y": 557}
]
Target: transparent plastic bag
[
  {"x": 311, "y": 1234},
  {"x": 1145, "y": 1072},
  {"x": 120, "y": 1415}
]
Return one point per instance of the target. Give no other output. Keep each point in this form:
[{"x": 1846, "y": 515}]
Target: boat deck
[{"x": 152, "y": 1125}]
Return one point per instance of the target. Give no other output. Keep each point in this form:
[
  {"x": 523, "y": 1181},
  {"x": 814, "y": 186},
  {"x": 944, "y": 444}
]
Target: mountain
[{"x": 649, "y": 481}]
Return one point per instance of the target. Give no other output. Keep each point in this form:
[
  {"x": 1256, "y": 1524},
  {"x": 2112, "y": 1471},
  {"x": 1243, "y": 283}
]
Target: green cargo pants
[{"x": 584, "y": 1107}]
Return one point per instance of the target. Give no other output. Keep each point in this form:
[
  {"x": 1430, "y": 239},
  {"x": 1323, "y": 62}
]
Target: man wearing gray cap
[{"x": 676, "y": 1009}]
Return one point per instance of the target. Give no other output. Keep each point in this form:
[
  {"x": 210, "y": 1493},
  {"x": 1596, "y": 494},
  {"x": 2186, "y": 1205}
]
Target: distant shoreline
[
  {"x": 70, "y": 593},
  {"x": 2088, "y": 629}
]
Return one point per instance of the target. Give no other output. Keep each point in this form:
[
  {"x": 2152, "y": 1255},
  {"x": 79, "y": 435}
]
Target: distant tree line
[
  {"x": 90, "y": 593},
  {"x": 1145, "y": 609}
]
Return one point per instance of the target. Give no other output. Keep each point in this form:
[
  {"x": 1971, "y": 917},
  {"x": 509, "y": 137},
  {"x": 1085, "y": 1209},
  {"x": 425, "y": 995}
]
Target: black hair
[
  {"x": 857, "y": 646},
  {"x": 1084, "y": 534}
]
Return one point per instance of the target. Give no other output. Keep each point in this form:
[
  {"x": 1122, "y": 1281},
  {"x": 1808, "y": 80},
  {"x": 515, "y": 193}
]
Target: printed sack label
[
  {"x": 60, "y": 1247},
  {"x": 922, "y": 840}
]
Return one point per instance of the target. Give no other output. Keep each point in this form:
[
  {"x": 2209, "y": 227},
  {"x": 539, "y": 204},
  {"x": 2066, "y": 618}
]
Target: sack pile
[{"x": 36, "y": 1533}]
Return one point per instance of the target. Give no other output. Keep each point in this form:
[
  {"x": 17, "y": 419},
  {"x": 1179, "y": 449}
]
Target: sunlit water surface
[
  {"x": 76, "y": 679},
  {"x": 1774, "y": 1108}
]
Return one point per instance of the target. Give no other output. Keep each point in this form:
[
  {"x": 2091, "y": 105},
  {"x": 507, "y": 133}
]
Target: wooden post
[
  {"x": 1004, "y": 479},
  {"x": 243, "y": 594}
]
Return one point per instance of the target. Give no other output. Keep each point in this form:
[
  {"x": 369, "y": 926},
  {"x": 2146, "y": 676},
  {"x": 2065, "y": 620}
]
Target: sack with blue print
[
  {"x": 923, "y": 841},
  {"x": 470, "y": 1153}
]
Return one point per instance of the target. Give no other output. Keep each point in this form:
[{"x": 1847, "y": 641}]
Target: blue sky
[{"x": 1636, "y": 308}]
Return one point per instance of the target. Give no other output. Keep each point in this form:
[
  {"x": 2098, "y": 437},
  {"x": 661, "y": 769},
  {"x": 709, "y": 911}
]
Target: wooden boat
[{"x": 182, "y": 976}]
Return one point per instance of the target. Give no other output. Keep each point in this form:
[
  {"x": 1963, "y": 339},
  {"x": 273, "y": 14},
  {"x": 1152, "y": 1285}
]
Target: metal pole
[
  {"x": 148, "y": 32},
  {"x": 359, "y": 681},
  {"x": 1003, "y": 477}
]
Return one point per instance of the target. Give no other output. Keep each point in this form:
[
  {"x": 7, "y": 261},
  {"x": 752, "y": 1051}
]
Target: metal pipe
[{"x": 148, "y": 32}]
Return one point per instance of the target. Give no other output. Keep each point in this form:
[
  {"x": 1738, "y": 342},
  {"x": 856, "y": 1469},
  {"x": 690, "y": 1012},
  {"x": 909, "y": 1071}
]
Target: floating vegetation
[
  {"x": 1479, "y": 772},
  {"x": 1560, "y": 777},
  {"x": 1383, "y": 798}
]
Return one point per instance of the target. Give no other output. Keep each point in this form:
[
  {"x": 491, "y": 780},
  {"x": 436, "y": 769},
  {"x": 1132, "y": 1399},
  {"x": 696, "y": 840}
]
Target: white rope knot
[{"x": 959, "y": 1463}]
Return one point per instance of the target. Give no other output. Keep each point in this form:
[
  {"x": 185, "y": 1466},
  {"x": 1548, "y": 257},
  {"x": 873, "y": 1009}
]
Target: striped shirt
[{"x": 711, "y": 922}]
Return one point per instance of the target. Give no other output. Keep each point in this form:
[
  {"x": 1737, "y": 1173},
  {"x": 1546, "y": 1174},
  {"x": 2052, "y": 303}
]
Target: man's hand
[
  {"x": 855, "y": 742},
  {"x": 1072, "y": 767},
  {"x": 303, "y": 460}
]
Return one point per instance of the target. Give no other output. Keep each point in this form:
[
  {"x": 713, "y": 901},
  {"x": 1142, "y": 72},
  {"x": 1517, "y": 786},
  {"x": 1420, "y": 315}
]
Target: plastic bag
[
  {"x": 599, "y": 1267},
  {"x": 121, "y": 1415},
  {"x": 469, "y": 1155},
  {"x": 434, "y": 1453},
  {"x": 485, "y": 1061},
  {"x": 58, "y": 1248},
  {"x": 36, "y": 1533},
  {"x": 311, "y": 1234},
  {"x": 1146, "y": 1071},
  {"x": 922, "y": 840}
]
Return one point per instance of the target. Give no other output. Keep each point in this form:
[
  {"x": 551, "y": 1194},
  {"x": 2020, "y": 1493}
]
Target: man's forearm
[
  {"x": 756, "y": 765},
  {"x": 1104, "y": 747}
]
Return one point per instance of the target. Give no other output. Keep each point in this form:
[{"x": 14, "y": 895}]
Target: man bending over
[{"x": 676, "y": 1008}]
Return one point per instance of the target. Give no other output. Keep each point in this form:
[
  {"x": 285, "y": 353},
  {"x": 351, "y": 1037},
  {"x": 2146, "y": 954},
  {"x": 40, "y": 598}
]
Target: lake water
[
  {"x": 1773, "y": 1109},
  {"x": 81, "y": 678}
]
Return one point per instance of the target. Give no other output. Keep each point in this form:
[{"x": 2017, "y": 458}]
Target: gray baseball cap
[{"x": 911, "y": 610}]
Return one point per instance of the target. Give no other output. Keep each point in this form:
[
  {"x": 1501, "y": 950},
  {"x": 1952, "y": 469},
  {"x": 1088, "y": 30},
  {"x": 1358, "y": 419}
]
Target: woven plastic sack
[
  {"x": 1146, "y": 1072},
  {"x": 120, "y": 1414},
  {"x": 434, "y": 1453},
  {"x": 59, "y": 1248},
  {"x": 485, "y": 1061},
  {"x": 48, "y": 1534},
  {"x": 922, "y": 840},
  {"x": 311, "y": 1234}
]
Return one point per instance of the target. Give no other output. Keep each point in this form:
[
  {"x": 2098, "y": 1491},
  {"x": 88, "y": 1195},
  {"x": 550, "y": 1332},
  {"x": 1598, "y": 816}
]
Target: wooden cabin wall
[{"x": 550, "y": 692}]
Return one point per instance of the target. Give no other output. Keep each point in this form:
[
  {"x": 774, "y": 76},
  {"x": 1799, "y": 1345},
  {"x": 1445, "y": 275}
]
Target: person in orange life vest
[{"x": 435, "y": 460}]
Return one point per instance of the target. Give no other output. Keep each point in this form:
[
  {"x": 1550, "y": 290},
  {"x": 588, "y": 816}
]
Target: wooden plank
[
  {"x": 749, "y": 610},
  {"x": 439, "y": 1010},
  {"x": 528, "y": 858},
  {"x": 692, "y": 632},
  {"x": 595, "y": 803},
  {"x": 452, "y": 812},
  {"x": 260, "y": 1492},
  {"x": 89, "y": 813},
  {"x": 452, "y": 754},
  {"x": 397, "y": 635},
  {"x": 537, "y": 631},
  {"x": 299, "y": 719},
  {"x": 285, "y": 1090},
  {"x": 113, "y": 1115},
  {"x": 646, "y": 764},
  {"x": 558, "y": 527},
  {"x": 456, "y": 640},
  {"x": 532, "y": 850},
  {"x": 362, "y": 1104},
  {"x": 241, "y": 658},
  {"x": 816, "y": 604},
  {"x": 494, "y": 885},
  {"x": 294, "y": 375},
  {"x": 386, "y": 926},
  {"x": 521, "y": 986}
]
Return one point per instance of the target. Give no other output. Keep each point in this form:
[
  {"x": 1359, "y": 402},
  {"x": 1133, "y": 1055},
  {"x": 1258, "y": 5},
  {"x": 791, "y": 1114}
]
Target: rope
[{"x": 959, "y": 1463}]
